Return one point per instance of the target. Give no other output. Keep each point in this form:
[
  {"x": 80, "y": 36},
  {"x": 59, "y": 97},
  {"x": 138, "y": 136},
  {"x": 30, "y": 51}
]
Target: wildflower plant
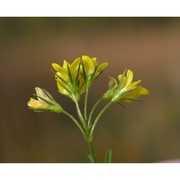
[{"x": 75, "y": 79}]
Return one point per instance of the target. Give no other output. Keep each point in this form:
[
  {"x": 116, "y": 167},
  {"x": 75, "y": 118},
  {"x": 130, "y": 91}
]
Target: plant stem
[
  {"x": 85, "y": 104},
  {"x": 92, "y": 154},
  {"x": 92, "y": 111},
  {"x": 80, "y": 115},
  {"x": 98, "y": 117},
  {"x": 76, "y": 122}
]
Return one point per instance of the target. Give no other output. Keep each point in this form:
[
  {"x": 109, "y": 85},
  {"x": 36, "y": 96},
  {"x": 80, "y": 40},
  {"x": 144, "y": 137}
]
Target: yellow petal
[
  {"x": 57, "y": 67},
  {"x": 122, "y": 80},
  {"x": 129, "y": 77},
  {"x": 135, "y": 83},
  {"x": 82, "y": 85},
  {"x": 35, "y": 104},
  {"x": 75, "y": 63},
  {"x": 88, "y": 64},
  {"x": 63, "y": 74},
  {"x": 65, "y": 64},
  {"x": 144, "y": 91},
  {"x": 62, "y": 89},
  {"x": 61, "y": 71},
  {"x": 41, "y": 93},
  {"x": 74, "y": 68},
  {"x": 102, "y": 66},
  {"x": 136, "y": 93},
  {"x": 94, "y": 59}
]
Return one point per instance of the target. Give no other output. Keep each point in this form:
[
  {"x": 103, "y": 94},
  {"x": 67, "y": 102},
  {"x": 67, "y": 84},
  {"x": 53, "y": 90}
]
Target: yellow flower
[
  {"x": 91, "y": 69},
  {"x": 44, "y": 102},
  {"x": 68, "y": 79},
  {"x": 68, "y": 71},
  {"x": 73, "y": 79},
  {"x": 126, "y": 89}
]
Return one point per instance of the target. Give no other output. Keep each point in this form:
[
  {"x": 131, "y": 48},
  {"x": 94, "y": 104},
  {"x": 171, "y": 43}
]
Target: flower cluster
[
  {"x": 126, "y": 89},
  {"x": 73, "y": 79}
]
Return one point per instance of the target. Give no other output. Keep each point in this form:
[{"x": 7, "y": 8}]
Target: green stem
[
  {"x": 84, "y": 133},
  {"x": 80, "y": 115},
  {"x": 92, "y": 156},
  {"x": 76, "y": 122},
  {"x": 92, "y": 111},
  {"x": 98, "y": 117},
  {"x": 85, "y": 104}
]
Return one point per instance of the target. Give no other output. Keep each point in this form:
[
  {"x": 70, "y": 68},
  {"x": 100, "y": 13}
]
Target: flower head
[
  {"x": 44, "y": 102},
  {"x": 126, "y": 89},
  {"x": 68, "y": 79},
  {"x": 91, "y": 69},
  {"x": 73, "y": 79}
]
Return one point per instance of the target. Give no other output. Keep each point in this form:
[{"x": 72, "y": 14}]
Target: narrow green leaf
[
  {"x": 108, "y": 156},
  {"x": 91, "y": 158}
]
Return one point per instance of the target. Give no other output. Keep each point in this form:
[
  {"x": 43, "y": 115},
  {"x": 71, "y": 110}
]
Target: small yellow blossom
[
  {"x": 44, "y": 102},
  {"x": 126, "y": 89},
  {"x": 68, "y": 72},
  {"x": 91, "y": 69},
  {"x": 68, "y": 79}
]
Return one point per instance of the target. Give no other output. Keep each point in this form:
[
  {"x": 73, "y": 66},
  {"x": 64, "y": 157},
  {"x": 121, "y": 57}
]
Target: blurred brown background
[{"x": 142, "y": 132}]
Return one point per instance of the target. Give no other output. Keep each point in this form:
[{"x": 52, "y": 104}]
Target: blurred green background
[{"x": 141, "y": 132}]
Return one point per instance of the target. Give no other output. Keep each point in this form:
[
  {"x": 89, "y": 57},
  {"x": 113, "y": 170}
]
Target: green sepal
[
  {"x": 121, "y": 104},
  {"x": 109, "y": 94},
  {"x": 69, "y": 72},
  {"x": 123, "y": 75},
  {"x": 66, "y": 88},
  {"x": 77, "y": 75},
  {"x": 80, "y": 86},
  {"x": 112, "y": 83},
  {"x": 119, "y": 95},
  {"x": 45, "y": 100},
  {"x": 84, "y": 73},
  {"x": 95, "y": 76},
  {"x": 64, "y": 81},
  {"x": 133, "y": 99},
  {"x": 48, "y": 94}
]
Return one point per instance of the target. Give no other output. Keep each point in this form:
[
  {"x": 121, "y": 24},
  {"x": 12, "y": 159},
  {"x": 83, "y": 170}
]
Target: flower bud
[{"x": 44, "y": 102}]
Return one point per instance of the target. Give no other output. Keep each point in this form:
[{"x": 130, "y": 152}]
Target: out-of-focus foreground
[{"x": 141, "y": 132}]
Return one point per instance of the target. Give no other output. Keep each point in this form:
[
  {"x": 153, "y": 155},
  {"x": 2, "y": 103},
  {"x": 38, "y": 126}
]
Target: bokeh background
[{"x": 141, "y": 132}]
